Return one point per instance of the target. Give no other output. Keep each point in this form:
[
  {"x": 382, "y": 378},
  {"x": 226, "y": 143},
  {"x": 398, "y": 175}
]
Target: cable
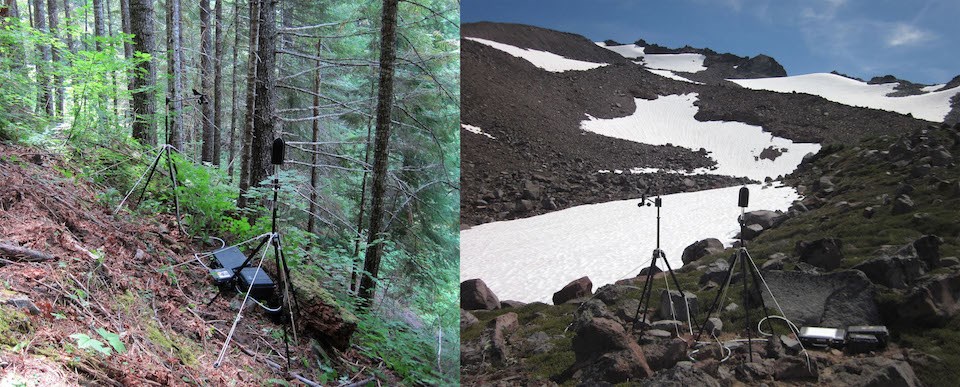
[{"x": 223, "y": 351}]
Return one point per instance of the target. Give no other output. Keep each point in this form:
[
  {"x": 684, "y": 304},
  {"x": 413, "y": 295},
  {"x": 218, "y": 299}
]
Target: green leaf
[
  {"x": 113, "y": 339},
  {"x": 87, "y": 343}
]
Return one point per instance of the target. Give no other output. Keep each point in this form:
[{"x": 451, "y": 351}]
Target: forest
[{"x": 365, "y": 95}]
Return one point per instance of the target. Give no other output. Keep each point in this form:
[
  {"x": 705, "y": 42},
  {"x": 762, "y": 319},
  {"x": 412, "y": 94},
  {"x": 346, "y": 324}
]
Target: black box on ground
[
  {"x": 263, "y": 285},
  {"x": 878, "y": 331},
  {"x": 228, "y": 258},
  {"x": 862, "y": 343}
]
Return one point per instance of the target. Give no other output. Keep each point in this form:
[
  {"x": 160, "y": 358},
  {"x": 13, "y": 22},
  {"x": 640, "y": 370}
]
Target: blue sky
[{"x": 914, "y": 40}]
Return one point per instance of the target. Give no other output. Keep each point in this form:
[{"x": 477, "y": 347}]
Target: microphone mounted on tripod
[{"x": 278, "y": 150}]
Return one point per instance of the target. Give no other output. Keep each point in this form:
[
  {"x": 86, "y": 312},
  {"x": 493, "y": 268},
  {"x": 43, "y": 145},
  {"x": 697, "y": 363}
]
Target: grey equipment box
[
  {"x": 862, "y": 343},
  {"x": 822, "y": 337}
]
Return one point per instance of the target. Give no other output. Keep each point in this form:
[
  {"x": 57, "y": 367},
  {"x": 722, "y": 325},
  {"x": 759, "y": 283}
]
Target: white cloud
[{"x": 906, "y": 35}]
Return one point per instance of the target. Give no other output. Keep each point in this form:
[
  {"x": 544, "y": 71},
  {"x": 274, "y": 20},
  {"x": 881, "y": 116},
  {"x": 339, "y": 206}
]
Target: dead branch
[{"x": 24, "y": 254}]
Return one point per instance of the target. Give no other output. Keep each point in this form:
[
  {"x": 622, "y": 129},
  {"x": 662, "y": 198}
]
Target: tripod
[
  {"x": 748, "y": 272},
  {"x": 648, "y": 285},
  {"x": 164, "y": 150},
  {"x": 283, "y": 270}
]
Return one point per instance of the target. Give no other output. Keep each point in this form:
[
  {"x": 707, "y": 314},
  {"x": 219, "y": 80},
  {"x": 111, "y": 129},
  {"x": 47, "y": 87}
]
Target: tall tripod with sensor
[
  {"x": 749, "y": 275},
  {"x": 231, "y": 268},
  {"x": 648, "y": 285}
]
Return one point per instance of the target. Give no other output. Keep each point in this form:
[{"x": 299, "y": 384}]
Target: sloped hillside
[{"x": 90, "y": 298}]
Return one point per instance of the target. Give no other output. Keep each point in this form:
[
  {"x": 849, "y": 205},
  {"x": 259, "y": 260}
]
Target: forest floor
[{"x": 128, "y": 277}]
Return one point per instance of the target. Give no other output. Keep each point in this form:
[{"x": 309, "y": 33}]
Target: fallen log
[{"x": 18, "y": 253}]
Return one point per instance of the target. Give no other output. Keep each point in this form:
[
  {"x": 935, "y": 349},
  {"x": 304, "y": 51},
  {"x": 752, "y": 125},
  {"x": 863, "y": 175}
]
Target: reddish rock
[
  {"x": 474, "y": 295},
  {"x": 580, "y": 287}
]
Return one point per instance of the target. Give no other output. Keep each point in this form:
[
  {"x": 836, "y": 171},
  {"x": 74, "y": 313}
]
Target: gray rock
[
  {"x": 892, "y": 271},
  {"x": 467, "y": 319},
  {"x": 666, "y": 353},
  {"x": 714, "y": 325},
  {"x": 681, "y": 303},
  {"x": 511, "y": 304},
  {"x": 657, "y": 334},
  {"x": 752, "y": 231},
  {"x": 539, "y": 342},
  {"x": 716, "y": 272},
  {"x": 873, "y": 371},
  {"x": 731, "y": 308},
  {"x": 681, "y": 377},
  {"x": 474, "y": 295},
  {"x": 869, "y": 212},
  {"x": 836, "y": 299},
  {"x": 21, "y": 302},
  {"x": 902, "y": 205},
  {"x": 949, "y": 262},
  {"x": 795, "y": 368},
  {"x": 928, "y": 249},
  {"x": 933, "y": 303},
  {"x": 766, "y": 219},
  {"x": 502, "y": 326},
  {"x": 580, "y": 287},
  {"x": 530, "y": 191},
  {"x": 824, "y": 253},
  {"x": 667, "y": 325},
  {"x": 701, "y": 249},
  {"x": 588, "y": 311},
  {"x": 790, "y": 344}
]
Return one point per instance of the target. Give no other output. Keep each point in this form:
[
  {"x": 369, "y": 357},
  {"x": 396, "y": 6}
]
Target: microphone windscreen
[
  {"x": 277, "y": 152},
  {"x": 744, "y": 197}
]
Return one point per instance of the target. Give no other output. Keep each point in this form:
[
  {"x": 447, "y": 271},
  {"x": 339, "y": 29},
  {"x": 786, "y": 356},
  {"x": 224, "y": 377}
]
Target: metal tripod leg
[
  {"x": 716, "y": 300},
  {"x": 756, "y": 286},
  {"x": 647, "y": 291},
  {"x": 153, "y": 168}
]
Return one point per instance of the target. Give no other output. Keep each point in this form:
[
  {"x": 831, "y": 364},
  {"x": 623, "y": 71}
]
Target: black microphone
[
  {"x": 744, "y": 197},
  {"x": 277, "y": 152}
]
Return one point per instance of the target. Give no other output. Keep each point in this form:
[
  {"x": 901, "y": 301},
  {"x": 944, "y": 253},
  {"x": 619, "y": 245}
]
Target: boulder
[
  {"x": 795, "y": 368},
  {"x": 665, "y": 354},
  {"x": 529, "y": 190},
  {"x": 934, "y": 302},
  {"x": 475, "y": 295},
  {"x": 590, "y": 310},
  {"x": 700, "y": 249},
  {"x": 892, "y": 271},
  {"x": 667, "y": 325},
  {"x": 751, "y": 231},
  {"x": 643, "y": 272},
  {"x": 902, "y": 205},
  {"x": 681, "y": 303},
  {"x": 713, "y": 326},
  {"x": 949, "y": 262},
  {"x": 605, "y": 352},
  {"x": 754, "y": 372},
  {"x": 928, "y": 249},
  {"x": 836, "y": 299},
  {"x": 872, "y": 371},
  {"x": 715, "y": 272},
  {"x": 766, "y": 219},
  {"x": 824, "y": 253},
  {"x": 580, "y": 287},
  {"x": 511, "y": 304},
  {"x": 680, "y": 377},
  {"x": 500, "y": 327},
  {"x": 467, "y": 319}
]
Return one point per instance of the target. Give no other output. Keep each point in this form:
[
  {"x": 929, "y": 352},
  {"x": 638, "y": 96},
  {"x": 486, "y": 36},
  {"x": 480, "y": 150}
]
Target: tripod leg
[
  {"x": 291, "y": 290},
  {"x": 176, "y": 196},
  {"x": 679, "y": 288},
  {"x": 716, "y": 300},
  {"x": 153, "y": 168},
  {"x": 253, "y": 254},
  {"x": 746, "y": 305},
  {"x": 284, "y": 304},
  {"x": 645, "y": 296},
  {"x": 756, "y": 286}
]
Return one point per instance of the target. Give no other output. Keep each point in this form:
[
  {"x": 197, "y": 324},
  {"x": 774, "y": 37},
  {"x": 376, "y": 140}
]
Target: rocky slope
[
  {"x": 875, "y": 240},
  {"x": 536, "y": 158}
]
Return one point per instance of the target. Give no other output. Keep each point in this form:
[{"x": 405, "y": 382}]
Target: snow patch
[
  {"x": 687, "y": 63},
  {"x": 530, "y": 259},
  {"x": 932, "y": 88},
  {"x": 671, "y": 75},
  {"x": 697, "y": 171},
  {"x": 932, "y": 106},
  {"x": 542, "y": 59},
  {"x": 735, "y": 146},
  {"x": 476, "y": 130},
  {"x": 630, "y": 51}
]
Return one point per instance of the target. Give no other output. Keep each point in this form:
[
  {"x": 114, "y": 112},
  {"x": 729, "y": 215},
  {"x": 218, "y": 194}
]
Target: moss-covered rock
[{"x": 321, "y": 316}]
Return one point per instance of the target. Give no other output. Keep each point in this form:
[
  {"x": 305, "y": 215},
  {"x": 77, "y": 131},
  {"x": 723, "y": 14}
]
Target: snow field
[
  {"x": 671, "y": 75},
  {"x": 688, "y": 63},
  {"x": 932, "y": 106},
  {"x": 530, "y": 259},
  {"x": 542, "y": 59},
  {"x": 476, "y": 130},
  {"x": 735, "y": 146}
]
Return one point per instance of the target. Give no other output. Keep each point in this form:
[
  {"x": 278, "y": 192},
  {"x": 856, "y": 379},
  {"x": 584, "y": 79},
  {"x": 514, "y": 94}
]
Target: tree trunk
[
  {"x": 144, "y": 79},
  {"x": 45, "y": 99},
  {"x": 174, "y": 68},
  {"x": 125, "y": 27},
  {"x": 264, "y": 117},
  {"x": 206, "y": 81},
  {"x": 67, "y": 10},
  {"x": 217, "y": 83},
  {"x": 99, "y": 23},
  {"x": 57, "y": 87},
  {"x": 233, "y": 84},
  {"x": 10, "y": 9},
  {"x": 252, "y": 64},
  {"x": 315, "y": 157},
  {"x": 363, "y": 190},
  {"x": 371, "y": 264}
]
